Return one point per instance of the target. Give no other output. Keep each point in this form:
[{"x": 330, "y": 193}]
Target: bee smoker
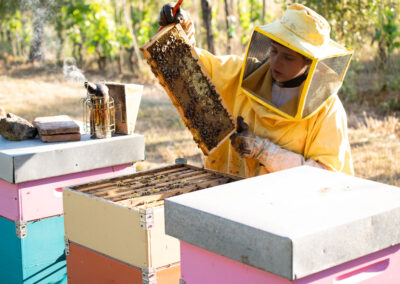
[{"x": 98, "y": 111}]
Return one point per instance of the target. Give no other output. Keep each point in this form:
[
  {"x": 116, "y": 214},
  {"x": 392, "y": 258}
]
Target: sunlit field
[{"x": 31, "y": 92}]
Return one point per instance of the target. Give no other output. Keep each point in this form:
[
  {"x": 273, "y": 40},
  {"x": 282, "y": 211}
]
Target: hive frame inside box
[
  {"x": 129, "y": 231},
  {"x": 197, "y": 137}
]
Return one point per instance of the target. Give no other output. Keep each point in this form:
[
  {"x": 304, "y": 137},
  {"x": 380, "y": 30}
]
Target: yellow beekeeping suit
[{"x": 323, "y": 137}]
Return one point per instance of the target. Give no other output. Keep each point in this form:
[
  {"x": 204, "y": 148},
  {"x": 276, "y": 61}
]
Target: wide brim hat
[{"x": 304, "y": 31}]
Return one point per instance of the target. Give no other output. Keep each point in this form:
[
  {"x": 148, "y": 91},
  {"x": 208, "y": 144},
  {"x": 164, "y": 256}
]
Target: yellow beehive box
[{"x": 123, "y": 217}]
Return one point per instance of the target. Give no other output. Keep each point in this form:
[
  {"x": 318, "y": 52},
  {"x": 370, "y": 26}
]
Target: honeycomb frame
[{"x": 180, "y": 72}]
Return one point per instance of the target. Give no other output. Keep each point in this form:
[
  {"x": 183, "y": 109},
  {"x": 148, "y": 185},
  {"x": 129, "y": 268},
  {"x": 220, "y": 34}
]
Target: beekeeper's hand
[
  {"x": 243, "y": 141},
  {"x": 270, "y": 155},
  {"x": 165, "y": 18}
]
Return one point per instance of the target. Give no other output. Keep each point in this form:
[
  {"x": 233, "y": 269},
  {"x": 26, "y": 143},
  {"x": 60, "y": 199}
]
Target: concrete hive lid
[
  {"x": 291, "y": 223},
  {"x": 20, "y": 161}
]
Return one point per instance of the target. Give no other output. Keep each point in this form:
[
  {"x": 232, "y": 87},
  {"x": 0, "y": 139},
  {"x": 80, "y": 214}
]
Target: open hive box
[
  {"x": 123, "y": 218},
  {"x": 179, "y": 70}
]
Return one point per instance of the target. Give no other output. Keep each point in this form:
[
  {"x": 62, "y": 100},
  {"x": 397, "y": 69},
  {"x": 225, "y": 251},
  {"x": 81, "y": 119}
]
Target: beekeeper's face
[{"x": 286, "y": 64}]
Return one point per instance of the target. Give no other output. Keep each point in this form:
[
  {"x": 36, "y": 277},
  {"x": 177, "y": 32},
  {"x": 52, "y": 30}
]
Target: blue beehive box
[{"x": 32, "y": 252}]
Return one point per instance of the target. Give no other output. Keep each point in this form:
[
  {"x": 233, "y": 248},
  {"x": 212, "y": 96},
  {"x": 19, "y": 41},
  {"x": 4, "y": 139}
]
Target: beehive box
[
  {"x": 32, "y": 173},
  {"x": 32, "y": 252},
  {"x": 87, "y": 266},
  {"x": 24, "y": 201},
  {"x": 179, "y": 70},
  {"x": 126, "y": 102},
  {"x": 123, "y": 217},
  {"x": 300, "y": 225}
]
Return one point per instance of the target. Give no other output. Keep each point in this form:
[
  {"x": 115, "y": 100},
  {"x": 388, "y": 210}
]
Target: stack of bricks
[
  {"x": 57, "y": 128},
  {"x": 115, "y": 227},
  {"x": 32, "y": 175}
]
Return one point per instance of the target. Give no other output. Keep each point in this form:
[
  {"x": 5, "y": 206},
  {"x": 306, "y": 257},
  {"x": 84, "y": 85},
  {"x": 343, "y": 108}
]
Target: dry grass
[
  {"x": 31, "y": 98},
  {"x": 376, "y": 150},
  {"x": 374, "y": 136}
]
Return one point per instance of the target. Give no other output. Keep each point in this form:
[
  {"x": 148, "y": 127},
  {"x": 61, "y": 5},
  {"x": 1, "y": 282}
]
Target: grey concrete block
[{"x": 32, "y": 159}]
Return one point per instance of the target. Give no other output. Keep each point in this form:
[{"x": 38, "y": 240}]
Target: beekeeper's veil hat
[{"x": 307, "y": 33}]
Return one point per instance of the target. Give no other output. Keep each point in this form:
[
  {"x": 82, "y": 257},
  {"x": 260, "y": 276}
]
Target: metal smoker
[{"x": 98, "y": 111}]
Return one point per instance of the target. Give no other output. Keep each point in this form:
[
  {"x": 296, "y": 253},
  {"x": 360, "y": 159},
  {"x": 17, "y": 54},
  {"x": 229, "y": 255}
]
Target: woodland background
[{"x": 49, "y": 47}]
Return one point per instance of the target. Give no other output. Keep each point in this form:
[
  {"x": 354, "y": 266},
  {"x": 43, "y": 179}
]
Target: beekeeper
[{"x": 283, "y": 94}]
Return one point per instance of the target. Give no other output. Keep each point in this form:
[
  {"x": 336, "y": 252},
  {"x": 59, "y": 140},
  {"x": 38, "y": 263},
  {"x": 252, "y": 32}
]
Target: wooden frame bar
[{"x": 154, "y": 185}]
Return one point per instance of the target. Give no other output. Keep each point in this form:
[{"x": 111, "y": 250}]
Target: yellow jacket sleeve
[
  {"x": 328, "y": 141},
  {"x": 224, "y": 72}
]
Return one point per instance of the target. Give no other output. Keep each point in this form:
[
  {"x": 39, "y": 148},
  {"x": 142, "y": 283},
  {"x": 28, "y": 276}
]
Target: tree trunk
[
  {"x": 228, "y": 27},
  {"x": 382, "y": 64},
  {"x": 9, "y": 45},
  {"x": 36, "y": 49},
  {"x": 131, "y": 58},
  {"x": 263, "y": 12},
  {"x": 120, "y": 60},
  {"x": 59, "y": 27},
  {"x": 14, "y": 44},
  {"x": 19, "y": 46},
  {"x": 206, "y": 9},
  {"x": 238, "y": 12},
  {"x": 101, "y": 61},
  {"x": 382, "y": 52},
  {"x": 135, "y": 47},
  {"x": 79, "y": 54},
  {"x": 118, "y": 22},
  {"x": 251, "y": 10},
  {"x": 60, "y": 50}
]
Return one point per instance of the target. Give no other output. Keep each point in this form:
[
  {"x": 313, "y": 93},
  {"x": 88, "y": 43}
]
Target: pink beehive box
[
  {"x": 302, "y": 225},
  {"x": 32, "y": 173}
]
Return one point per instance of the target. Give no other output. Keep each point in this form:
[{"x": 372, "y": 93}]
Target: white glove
[{"x": 270, "y": 155}]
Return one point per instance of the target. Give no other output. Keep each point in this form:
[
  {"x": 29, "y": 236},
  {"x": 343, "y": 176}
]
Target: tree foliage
[
  {"x": 356, "y": 23},
  {"x": 90, "y": 25},
  {"x": 363, "y": 22},
  {"x": 112, "y": 30}
]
